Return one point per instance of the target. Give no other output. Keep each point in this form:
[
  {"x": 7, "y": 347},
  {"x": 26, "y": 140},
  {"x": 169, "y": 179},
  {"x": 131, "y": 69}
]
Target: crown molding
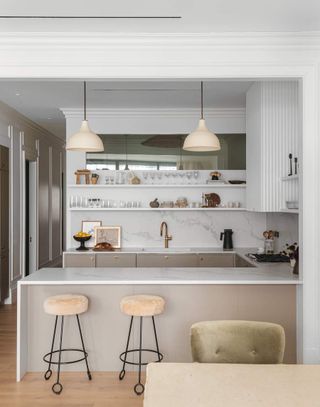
[
  {"x": 298, "y": 39},
  {"x": 165, "y": 113}
]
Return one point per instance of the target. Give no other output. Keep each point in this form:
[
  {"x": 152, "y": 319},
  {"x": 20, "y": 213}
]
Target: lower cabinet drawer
[
  {"x": 115, "y": 260},
  {"x": 217, "y": 260},
  {"x": 78, "y": 260},
  {"x": 167, "y": 260}
]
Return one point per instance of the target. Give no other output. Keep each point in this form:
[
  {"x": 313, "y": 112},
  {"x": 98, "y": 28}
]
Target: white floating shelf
[
  {"x": 286, "y": 210},
  {"x": 290, "y": 178},
  {"x": 158, "y": 186},
  {"x": 158, "y": 209}
]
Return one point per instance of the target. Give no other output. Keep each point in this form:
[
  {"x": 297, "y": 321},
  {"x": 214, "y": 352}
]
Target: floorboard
[{"x": 104, "y": 390}]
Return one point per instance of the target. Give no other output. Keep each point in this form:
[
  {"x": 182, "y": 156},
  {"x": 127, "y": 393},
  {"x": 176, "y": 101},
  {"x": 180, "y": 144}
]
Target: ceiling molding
[
  {"x": 66, "y": 39},
  {"x": 105, "y": 112}
]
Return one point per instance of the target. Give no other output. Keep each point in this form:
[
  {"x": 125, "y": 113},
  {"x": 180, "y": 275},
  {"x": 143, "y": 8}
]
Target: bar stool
[
  {"x": 140, "y": 306},
  {"x": 64, "y": 305}
]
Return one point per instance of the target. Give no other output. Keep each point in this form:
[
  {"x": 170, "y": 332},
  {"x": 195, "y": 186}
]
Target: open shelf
[
  {"x": 158, "y": 186},
  {"x": 286, "y": 210},
  {"x": 158, "y": 209},
  {"x": 290, "y": 178}
]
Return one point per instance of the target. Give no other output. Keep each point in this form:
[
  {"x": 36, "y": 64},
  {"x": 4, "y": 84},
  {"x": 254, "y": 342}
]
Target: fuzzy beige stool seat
[
  {"x": 62, "y": 306},
  {"x": 140, "y": 306},
  {"x": 237, "y": 342},
  {"x": 67, "y": 304}
]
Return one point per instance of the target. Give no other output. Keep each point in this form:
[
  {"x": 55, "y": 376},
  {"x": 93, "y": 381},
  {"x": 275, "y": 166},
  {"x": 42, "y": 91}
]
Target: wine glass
[
  {"x": 145, "y": 176},
  {"x": 159, "y": 175},
  {"x": 196, "y": 176},
  {"x": 152, "y": 176},
  {"x": 189, "y": 175}
]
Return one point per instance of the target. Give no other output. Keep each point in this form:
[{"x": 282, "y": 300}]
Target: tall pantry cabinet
[{"x": 4, "y": 223}]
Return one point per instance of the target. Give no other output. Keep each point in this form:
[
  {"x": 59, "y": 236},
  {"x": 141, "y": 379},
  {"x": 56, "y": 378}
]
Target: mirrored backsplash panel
[{"x": 149, "y": 152}]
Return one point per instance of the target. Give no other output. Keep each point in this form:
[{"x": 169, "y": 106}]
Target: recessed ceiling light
[
  {"x": 49, "y": 118},
  {"x": 18, "y": 94}
]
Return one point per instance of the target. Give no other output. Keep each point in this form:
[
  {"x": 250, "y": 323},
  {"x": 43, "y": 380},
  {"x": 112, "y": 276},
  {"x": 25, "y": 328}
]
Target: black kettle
[{"x": 226, "y": 235}]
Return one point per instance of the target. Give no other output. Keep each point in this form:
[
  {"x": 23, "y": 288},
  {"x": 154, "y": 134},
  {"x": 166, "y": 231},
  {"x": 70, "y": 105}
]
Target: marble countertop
[{"x": 163, "y": 276}]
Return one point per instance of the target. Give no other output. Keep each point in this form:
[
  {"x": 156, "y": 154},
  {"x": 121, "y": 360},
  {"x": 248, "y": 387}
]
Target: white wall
[{"x": 26, "y": 140}]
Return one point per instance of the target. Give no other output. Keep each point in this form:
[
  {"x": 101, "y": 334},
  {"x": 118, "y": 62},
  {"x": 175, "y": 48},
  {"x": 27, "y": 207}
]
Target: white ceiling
[
  {"x": 196, "y": 15},
  {"x": 41, "y": 101}
]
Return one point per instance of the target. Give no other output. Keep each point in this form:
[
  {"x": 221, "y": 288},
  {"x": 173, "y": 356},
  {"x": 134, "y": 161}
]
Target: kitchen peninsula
[{"x": 264, "y": 292}]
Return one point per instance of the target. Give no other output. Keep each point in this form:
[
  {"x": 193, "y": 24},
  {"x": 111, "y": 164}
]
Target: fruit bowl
[{"x": 82, "y": 240}]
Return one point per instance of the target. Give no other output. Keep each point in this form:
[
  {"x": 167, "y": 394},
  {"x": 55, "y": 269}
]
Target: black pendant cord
[
  {"x": 201, "y": 100},
  {"x": 84, "y": 101}
]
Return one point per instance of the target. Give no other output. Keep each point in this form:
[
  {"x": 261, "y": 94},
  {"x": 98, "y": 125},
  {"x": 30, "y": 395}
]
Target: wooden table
[{"x": 226, "y": 385}]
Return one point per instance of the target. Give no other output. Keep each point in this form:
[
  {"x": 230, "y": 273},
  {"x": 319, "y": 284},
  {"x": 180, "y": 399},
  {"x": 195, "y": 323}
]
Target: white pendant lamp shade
[
  {"x": 202, "y": 139},
  {"x": 85, "y": 140}
]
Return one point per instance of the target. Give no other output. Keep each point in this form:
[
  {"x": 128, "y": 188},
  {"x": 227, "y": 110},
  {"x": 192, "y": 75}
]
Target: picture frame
[
  {"x": 89, "y": 226},
  {"x": 109, "y": 234}
]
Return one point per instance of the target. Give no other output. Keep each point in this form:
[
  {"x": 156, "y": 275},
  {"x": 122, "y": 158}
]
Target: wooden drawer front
[
  {"x": 167, "y": 260},
  {"x": 115, "y": 260},
  {"x": 78, "y": 260},
  {"x": 216, "y": 260}
]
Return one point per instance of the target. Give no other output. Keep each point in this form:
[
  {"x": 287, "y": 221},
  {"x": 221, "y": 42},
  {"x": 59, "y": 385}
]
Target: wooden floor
[{"x": 104, "y": 390}]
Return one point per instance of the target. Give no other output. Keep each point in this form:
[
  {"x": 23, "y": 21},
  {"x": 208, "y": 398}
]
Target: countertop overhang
[{"x": 163, "y": 276}]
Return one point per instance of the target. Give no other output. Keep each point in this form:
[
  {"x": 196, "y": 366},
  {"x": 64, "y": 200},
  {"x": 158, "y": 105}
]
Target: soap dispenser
[{"x": 226, "y": 236}]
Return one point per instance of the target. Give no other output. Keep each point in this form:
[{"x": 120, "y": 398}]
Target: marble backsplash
[
  {"x": 189, "y": 229},
  {"x": 287, "y": 224}
]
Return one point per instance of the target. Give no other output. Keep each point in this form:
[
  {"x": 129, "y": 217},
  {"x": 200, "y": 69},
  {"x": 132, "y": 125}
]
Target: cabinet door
[
  {"x": 115, "y": 260},
  {"x": 4, "y": 158},
  {"x": 216, "y": 259},
  {"x": 4, "y": 210},
  {"x": 78, "y": 260},
  {"x": 167, "y": 260},
  {"x": 4, "y": 276}
]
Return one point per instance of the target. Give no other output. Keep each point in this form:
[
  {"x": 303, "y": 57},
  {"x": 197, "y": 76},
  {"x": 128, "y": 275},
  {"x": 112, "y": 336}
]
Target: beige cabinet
[
  {"x": 115, "y": 260},
  {"x": 4, "y": 223},
  {"x": 216, "y": 260},
  {"x": 167, "y": 260},
  {"x": 78, "y": 260}
]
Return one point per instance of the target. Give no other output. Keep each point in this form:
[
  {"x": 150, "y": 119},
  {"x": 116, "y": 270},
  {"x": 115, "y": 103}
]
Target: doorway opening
[{"x": 31, "y": 261}]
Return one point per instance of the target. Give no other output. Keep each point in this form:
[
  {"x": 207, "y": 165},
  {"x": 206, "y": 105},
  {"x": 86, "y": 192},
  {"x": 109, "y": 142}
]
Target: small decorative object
[
  {"x": 290, "y": 165},
  {"x": 88, "y": 227},
  {"x": 215, "y": 175},
  {"x": 135, "y": 180},
  {"x": 211, "y": 200},
  {"x": 236, "y": 182},
  {"x": 94, "y": 178},
  {"x": 103, "y": 247},
  {"x": 108, "y": 234},
  {"x": 181, "y": 203},
  {"x": 155, "y": 203},
  {"x": 296, "y": 165},
  {"x": 167, "y": 204},
  {"x": 292, "y": 251},
  {"x": 82, "y": 237},
  {"x": 292, "y": 204},
  {"x": 80, "y": 173}
]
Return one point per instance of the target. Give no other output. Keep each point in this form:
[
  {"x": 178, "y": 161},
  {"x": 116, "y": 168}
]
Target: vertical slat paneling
[{"x": 280, "y": 131}]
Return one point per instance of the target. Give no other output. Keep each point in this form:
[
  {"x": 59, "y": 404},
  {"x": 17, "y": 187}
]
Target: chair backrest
[{"x": 237, "y": 342}]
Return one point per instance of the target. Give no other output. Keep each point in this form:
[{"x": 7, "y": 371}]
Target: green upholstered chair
[{"x": 237, "y": 342}]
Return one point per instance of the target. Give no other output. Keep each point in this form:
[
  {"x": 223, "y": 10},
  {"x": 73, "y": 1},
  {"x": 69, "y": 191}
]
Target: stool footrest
[
  {"x": 47, "y": 355},
  {"x": 123, "y": 355}
]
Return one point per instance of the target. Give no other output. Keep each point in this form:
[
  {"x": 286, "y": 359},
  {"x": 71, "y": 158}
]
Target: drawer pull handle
[
  {"x": 201, "y": 258},
  {"x": 166, "y": 257},
  {"x": 116, "y": 257}
]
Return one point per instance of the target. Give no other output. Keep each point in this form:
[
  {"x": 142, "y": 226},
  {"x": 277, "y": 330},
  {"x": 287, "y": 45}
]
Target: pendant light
[
  {"x": 201, "y": 139},
  {"x": 85, "y": 139}
]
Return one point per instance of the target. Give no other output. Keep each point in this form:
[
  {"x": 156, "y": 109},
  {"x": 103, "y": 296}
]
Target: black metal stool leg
[
  {"x": 123, "y": 371},
  {"x": 156, "y": 338},
  {"x": 57, "y": 387},
  {"x": 139, "y": 384},
  {"x": 48, "y": 373},
  {"x": 84, "y": 350}
]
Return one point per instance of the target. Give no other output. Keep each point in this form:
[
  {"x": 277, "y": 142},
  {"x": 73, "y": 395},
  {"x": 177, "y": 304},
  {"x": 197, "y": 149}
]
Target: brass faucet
[{"x": 166, "y": 236}]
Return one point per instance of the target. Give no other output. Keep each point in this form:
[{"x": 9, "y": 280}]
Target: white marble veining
[{"x": 201, "y": 229}]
